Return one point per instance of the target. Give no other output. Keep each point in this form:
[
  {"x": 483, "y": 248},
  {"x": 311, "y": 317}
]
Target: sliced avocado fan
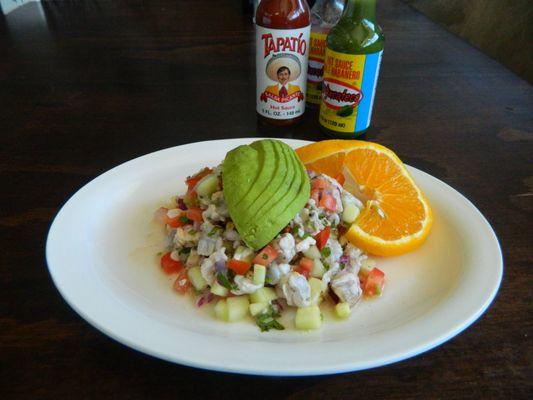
[{"x": 265, "y": 185}]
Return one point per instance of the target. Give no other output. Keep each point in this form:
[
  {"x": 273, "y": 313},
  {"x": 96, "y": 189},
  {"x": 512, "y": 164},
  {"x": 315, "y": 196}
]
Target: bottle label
[
  {"x": 281, "y": 70},
  {"x": 348, "y": 90},
  {"x": 315, "y": 69}
]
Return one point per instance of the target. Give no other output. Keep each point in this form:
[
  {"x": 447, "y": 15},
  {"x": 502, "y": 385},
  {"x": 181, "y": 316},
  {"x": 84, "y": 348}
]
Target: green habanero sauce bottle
[{"x": 353, "y": 55}]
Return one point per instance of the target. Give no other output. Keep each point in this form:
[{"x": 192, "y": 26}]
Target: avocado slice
[
  {"x": 278, "y": 186},
  {"x": 293, "y": 201},
  {"x": 289, "y": 186},
  {"x": 265, "y": 185}
]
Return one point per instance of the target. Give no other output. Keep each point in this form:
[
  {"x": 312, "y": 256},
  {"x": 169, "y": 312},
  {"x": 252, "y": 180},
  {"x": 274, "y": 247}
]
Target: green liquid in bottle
[{"x": 353, "y": 54}]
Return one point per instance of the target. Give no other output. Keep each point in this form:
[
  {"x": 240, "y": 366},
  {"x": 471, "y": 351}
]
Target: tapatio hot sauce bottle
[
  {"x": 353, "y": 55},
  {"x": 324, "y": 15},
  {"x": 282, "y": 50}
]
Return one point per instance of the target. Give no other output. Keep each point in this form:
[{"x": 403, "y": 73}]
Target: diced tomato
[
  {"x": 193, "y": 180},
  {"x": 315, "y": 195},
  {"x": 266, "y": 256},
  {"x": 182, "y": 283},
  {"x": 190, "y": 199},
  {"x": 170, "y": 265},
  {"x": 195, "y": 214},
  {"x": 322, "y": 237},
  {"x": 176, "y": 222},
  {"x": 305, "y": 267},
  {"x": 328, "y": 202},
  {"x": 238, "y": 266},
  {"x": 362, "y": 275},
  {"x": 340, "y": 178},
  {"x": 319, "y": 184},
  {"x": 373, "y": 285}
]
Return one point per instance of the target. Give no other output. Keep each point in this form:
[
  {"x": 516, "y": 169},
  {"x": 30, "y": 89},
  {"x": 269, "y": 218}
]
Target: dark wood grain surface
[{"x": 85, "y": 85}]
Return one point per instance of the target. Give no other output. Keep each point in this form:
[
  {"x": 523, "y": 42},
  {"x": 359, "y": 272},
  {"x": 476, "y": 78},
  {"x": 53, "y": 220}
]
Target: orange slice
[{"x": 396, "y": 217}]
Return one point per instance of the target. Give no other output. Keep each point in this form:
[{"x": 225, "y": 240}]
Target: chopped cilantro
[
  {"x": 183, "y": 219},
  {"x": 224, "y": 281},
  {"x": 214, "y": 231},
  {"x": 264, "y": 256},
  {"x": 267, "y": 320},
  {"x": 326, "y": 252},
  {"x": 185, "y": 250},
  {"x": 343, "y": 266}
]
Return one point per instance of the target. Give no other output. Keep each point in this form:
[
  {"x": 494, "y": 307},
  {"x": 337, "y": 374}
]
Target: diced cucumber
[
  {"x": 243, "y": 253},
  {"x": 219, "y": 290},
  {"x": 196, "y": 278},
  {"x": 318, "y": 269},
  {"x": 308, "y": 318},
  {"x": 259, "y": 274},
  {"x": 350, "y": 213},
  {"x": 312, "y": 252},
  {"x": 257, "y": 308},
  {"x": 221, "y": 310},
  {"x": 343, "y": 310},
  {"x": 263, "y": 295},
  {"x": 237, "y": 308},
  {"x": 317, "y": 288},
  {"x": 207, "y": 185},
  {"x": 368, "y": 264}
]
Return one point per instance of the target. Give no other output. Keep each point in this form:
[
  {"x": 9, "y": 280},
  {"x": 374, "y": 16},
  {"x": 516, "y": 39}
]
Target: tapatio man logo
[{"x": 337, "y": 94}]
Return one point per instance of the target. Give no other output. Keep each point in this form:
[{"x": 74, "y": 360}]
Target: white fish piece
[
  {"x": 212, "y": 214},
  {"x": 305, "y": 244},
  {"x": 208, "y": 244},
  {"x": 355, "y": 258},
  {"x": 333, "y": 269},
  {"x": 186, "y": 236},
  {"x": 207, "y": 268},
  {"x": 244, "y": 285},
  {"x": 232, "y": 235},
  {"x": 335, "y": 251},
  {"x": 287, "y": 247},
  {"x": 346, "y": 286},
  {"x": 193, "y": 259},
  {"x": 295, "y": 289},
  {"x": 275, "y": 271}
]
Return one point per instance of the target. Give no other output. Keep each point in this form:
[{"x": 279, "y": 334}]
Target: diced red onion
[
  {"x": 181, "y": 204},
  {"x": 220, "y": 266},
  {"x": 160, "y": 213},
  {"x": 279, "y": 304},
  {"x": 344, "y": 260},
  {"x": 204, "y": 299}
]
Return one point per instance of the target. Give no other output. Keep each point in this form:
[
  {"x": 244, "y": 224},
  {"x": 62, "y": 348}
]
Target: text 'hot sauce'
[
  {"x": 282, "y": 50},
  {"x": 351, "y": 68}
]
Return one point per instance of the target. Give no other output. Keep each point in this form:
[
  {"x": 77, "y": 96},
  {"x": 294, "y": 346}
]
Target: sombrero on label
[{"x": 283, "y": 60}]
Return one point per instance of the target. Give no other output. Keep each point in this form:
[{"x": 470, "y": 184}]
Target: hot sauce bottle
[
  {"x": 324, "y": 15},
  {"x": 282, "y": 49},
  {"x": 353, "y": 55}
]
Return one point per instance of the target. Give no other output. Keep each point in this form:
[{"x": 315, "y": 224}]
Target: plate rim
[{"x": 250, "y": 370}]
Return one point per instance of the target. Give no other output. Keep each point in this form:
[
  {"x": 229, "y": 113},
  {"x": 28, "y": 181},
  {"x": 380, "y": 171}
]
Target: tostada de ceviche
[{"x": 259, "y": 234}]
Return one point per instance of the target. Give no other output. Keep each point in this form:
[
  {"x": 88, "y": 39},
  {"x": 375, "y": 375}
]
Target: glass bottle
[
  {"x": 324, "y": 15},
  {"x": 353, "y": 55},
  {"x": 282, "y": 50}
]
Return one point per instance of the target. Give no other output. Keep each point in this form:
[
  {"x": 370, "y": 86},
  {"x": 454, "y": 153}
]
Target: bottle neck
[{"x": 357, "y": 10}]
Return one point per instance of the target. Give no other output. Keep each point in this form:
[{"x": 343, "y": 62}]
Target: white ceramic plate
[{"x": 101, "y": 252}]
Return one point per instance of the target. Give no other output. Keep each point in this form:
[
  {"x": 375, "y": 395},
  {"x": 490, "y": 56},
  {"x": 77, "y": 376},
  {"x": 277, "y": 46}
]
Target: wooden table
[{"x": 87, "y": 85}]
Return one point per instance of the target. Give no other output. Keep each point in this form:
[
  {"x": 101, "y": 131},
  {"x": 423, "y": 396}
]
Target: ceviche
[{"x": 304, "y": 262}]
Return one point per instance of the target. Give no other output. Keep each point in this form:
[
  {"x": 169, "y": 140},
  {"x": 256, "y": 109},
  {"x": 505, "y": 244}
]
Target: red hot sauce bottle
[{"x": 282, "y": 50}]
